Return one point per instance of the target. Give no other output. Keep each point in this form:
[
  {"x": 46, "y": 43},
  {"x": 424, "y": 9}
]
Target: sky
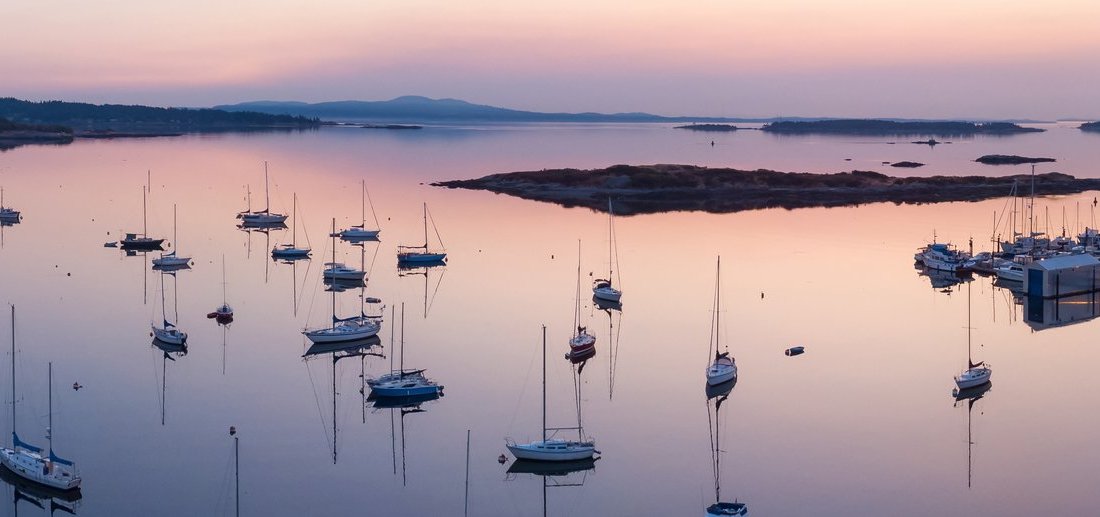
[{"x": 1000, "y": 59}]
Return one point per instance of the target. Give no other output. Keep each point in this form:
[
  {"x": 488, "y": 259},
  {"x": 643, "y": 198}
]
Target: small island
[
  {"x": 872, "y": 127},
  {"x": 718, "y": 128},
  {"x": 667, "y": 188},
  {"x": 1090, "y": 126},
  {"x": 1011, "y": 159},
  {"x": 391, "y": 126},
  {"x": 908, "y": 165}
]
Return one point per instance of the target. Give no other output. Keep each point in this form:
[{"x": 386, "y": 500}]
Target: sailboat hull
[
  {"x": 417, "y": 258},
  {"x": 290, "y": 253},
  {"x": 973, "y": 377},
  {"x": 262, "y": 219},
  {"x": 346, "y": 331},
  {"x": 358, "y": 234},
  {"x": 721, "y": 373},
  {"x": 142, "y": 244},
  {"x": 170, "y": 336},
  {"x": 607, "y": 294},
  {"x": 31, "y": 468},
  {"x": 553, "y": 450}
]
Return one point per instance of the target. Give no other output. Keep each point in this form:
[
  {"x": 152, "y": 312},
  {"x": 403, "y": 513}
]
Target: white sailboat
[
  {"x": 265, "y": 216},
  {"x": 360, "y": 232},
  {"x": 170, "y": 259},
  {"x": 724, "y": 367},
  {"x": 581, "y": 343},
  {"x": 25, "y": 460},
  {"x": 338, "y": 270},
  {"x": 553, "y": 449},
  {"x": 8, "y": 215},
  {"x": 411, "y": 255},
  {"x": 602, "y": 288},
  {"x": 401, "y": 382},
  {"x": 291, "y": 251},
  {"x": 345, "y": 329},
  {"x": 976, "y": 374},
  {"x": 142, "y": 241},
  {"x": 168, "y": 333}
]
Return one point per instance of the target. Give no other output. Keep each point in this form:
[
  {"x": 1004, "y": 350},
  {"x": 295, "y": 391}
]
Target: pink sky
[{"x": 932, "y": 58}]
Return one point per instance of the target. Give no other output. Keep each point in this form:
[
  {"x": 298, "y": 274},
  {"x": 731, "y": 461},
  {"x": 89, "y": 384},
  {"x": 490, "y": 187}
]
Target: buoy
[
  {"x": 502, "y": 459},
  {"x": 794, "y": 350},
  {"x": 77, "y": 386}
]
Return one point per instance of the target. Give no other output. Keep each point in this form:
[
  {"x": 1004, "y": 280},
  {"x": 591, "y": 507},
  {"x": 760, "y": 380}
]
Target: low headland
[
  {"x": 717, "y": 128},
  {"x": 874, "y": 127},
  {"x": 60, "y": 122},
  {"x": 668, "y": 188},
  {"x": 1090, "y": 126}
]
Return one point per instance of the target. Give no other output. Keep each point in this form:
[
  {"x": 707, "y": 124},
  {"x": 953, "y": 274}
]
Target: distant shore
[
  {"x": 667, "y": 188},
  {"x": 872, "y": 127}
]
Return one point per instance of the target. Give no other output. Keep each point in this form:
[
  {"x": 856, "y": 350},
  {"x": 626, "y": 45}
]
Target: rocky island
[
  {"x": 13, "y": 134},
  {"x": 871, "y": 127},
  {"x": 667, "y": 188},
  {"x": 718, "y": 128},
  {"x": 1090, "y": 126},
  {"x": 1011, "y": 159}
]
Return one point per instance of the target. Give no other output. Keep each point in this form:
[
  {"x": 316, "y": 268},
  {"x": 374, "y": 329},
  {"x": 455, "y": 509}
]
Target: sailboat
[
  {"x": 402, "y": 382},
  {"x": 360, "y": 232},
  {"x": 338, "y": 270},
  {"x": 265, "y": 216},
  {"x": 169, "y": 352},
  {"x": 25, "y": 460},
  {"x": 345, "y": 329},
  {"x": 291, "y": 251},
  {"x": 582, "y": 342},
  {"x": 976, "y": 374},
  {"x": 224, "y": 313},
  {"x": 720, "y": 508},
  {"x": 724, "y": 367},
  {"x": 602, "y": 287},
  {"x": 142, "y": 241},
  {"x": 169, "y": 333},
  {"x": 552, "y": 449},
  {"x": 408, "y": 254},
  {"x": 170, "y": 259},
  {"x": 8, "y": 215}
]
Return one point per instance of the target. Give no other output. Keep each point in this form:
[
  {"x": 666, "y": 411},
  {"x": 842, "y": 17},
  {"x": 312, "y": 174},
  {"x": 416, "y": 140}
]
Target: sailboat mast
[
  {"x": 267, "y": 193},
  {"x": 175, "y": 240},
  {"x": 294, "y": 223},
  {"x": 13, "y": 372},
  {"x": 969, "y": 360},
  {"x": 333, "y": 233},
  {"x": 577, "y": 308},
  {"x": 543, "y": 383},
  {"x": 144, "y": 222},
  {"x": 49, "y": 424},
  {"x": 425, "y": 227},
  {"x": 1031, "y": 209},
  {"x": 363, "y": 205},
  {"x": 334, "y": 407},
  {"x": 610, "y": 240},
  {"x": 401, "y": 361}
]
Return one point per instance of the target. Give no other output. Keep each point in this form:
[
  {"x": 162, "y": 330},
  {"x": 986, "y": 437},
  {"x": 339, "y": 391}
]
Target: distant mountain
[{"x": 414, "y": 109}]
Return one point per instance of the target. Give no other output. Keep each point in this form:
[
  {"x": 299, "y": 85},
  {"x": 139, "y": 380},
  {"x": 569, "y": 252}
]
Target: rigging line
[
  {"x": 436, "y": 230},
  {"x": 320, "y": 410},
  {"x": 431, "y": 301},
  {"x": 523, "y": 390},
  {"x": 314, "y": 297},
  {"x": 367, "y": 192}
]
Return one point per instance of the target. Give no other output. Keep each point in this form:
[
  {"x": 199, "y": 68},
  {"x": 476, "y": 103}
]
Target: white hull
[
  {"x": 172, "y": 337},
  {"x": 718, "y": 374},
  {"x": 345, "y": 275},
  {"x": 29, "y": 466},
  {"x": 553, "y": 450},
  {"x": 352, "y": 234},
  {"x": 413, "y": 388},
  {"x": 973, "y": 377},
  {"x": 607, "y": 293},
  {"x": 1011, "y": 274},
  {"x": 290, "y": 252},
  {"x": 171, "y": 261},
  {"x": 345, "y": 331},
  {"x": 263, "y": 218}
]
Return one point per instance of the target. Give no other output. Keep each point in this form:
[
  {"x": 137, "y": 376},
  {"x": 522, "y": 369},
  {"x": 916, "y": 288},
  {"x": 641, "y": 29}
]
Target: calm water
[{"x": 864, "y": 423}]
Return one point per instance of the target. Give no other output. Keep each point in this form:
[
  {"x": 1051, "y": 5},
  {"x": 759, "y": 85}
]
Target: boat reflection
[
  {"x": 607, "y": 305},
  {"x": 716, "y": 395},
  {"x": 42, "y": 496},
  {"x": 341, "y": 350},
  {"x": 424, "y": 269},
  {"x": 169, "y": 352},
  {"x": 943, "y": 280},
  {"x": 970, "y": 396},
  {"x": 401, "y": 407}
]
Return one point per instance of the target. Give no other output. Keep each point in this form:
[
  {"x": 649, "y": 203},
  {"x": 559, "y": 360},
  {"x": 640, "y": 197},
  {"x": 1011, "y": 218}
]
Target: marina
[{"x": 474, "y": 323}]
